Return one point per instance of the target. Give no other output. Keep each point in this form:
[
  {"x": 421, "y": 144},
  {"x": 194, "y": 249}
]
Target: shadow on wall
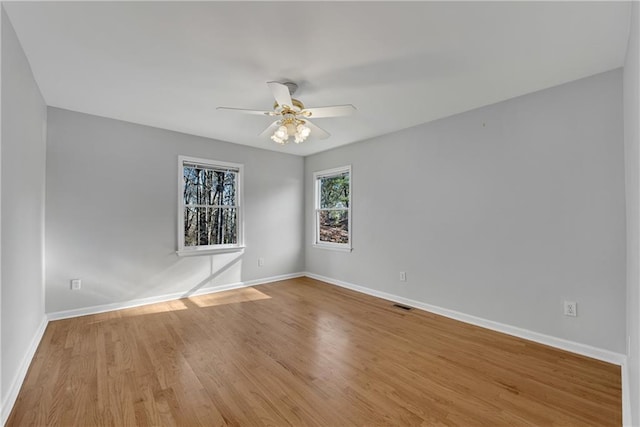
[
  {"x": 180, "y": 277},
  {"x": 190, "y": 275},
  {"x": 215, "y": 271}
]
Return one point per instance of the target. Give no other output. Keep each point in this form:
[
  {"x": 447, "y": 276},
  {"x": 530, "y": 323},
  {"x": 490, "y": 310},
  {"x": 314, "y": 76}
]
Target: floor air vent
[{"x": 404, "y": 307}]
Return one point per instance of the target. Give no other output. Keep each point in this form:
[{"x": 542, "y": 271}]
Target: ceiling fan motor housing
[{"x": 297, "y": 105}]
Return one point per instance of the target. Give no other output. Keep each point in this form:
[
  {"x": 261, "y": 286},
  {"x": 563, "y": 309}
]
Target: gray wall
[
  {"x": 502, "y": 212},
  {"x": 112, "y": 213},
  {"x": 22, "y": 192},
  {"x": 632, "y": 159}
]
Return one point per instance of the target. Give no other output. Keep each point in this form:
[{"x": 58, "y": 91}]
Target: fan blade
[
  {"x": 242, "y": 110},
  {"x": 333, "y": 111},
  {"x": 270, "y": 129},
  {"x": 280, "y": 93},
  {"x": 317, "y": 131}
]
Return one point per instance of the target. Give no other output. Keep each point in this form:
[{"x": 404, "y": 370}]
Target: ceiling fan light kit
[
  {"x": 291, "y": 126},
  {"x": 294, "y": 121}
]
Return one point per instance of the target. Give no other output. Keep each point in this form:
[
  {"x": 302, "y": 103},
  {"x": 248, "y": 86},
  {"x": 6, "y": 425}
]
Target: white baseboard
[
  {"x": 574, "y": 347},
  {"x": 66, "y": 314},
  {"x": 560, "y": 343},
  {"x": 626, "y": 396},
  {"x": 18, "y": 378}
]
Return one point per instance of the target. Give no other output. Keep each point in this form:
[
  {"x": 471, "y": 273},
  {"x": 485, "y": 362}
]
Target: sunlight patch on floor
[
  {"x": 229, "y": 297},
  {"x": 161, "y": 307}
]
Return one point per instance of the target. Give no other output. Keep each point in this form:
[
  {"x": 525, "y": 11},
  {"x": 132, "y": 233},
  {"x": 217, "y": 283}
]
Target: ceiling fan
[{"x": 292, "y": 116}]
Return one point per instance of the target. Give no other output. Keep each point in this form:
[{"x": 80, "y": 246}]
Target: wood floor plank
[{"x": 304, "y": 353}]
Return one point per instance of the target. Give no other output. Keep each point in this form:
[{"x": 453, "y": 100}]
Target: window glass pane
[
  {"x": 222, "y": 226},
  {"x": 207, "y": 183},
  {"x": 215, "y": 188},
  {"x": 191, "y": 183},
  {"x": 229, "y": 189},
  {"x": 223, "y": 190},
  {"x": 190, "y": 227},
  {"x": 209, "y": 187},
  {"x": 202, "y": 227},
  {"x": 196, "y": 228},
  {"x": 334, "y": 191},
  {"x": 334, "y": 226}
]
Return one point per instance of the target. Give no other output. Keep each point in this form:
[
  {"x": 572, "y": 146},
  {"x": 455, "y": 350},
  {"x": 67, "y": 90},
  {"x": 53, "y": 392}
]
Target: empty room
[{"x": 319, "y": 213}]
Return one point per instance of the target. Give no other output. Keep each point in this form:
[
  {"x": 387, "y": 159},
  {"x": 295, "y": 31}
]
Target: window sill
[
  {"x": 333, "y": 248},
  {"x": 198, "y": 252}
]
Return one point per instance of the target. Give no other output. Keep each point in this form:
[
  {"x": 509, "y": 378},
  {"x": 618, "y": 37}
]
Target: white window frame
[
  {"x": 347, "y": 247},
  {"x": 210, "y": 249}
]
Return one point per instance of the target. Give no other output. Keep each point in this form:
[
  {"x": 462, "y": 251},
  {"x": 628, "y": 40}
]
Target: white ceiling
[{"x": 170, "y": 64}]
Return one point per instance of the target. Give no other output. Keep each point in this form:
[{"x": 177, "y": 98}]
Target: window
[
  {"x": 209, "y": 212},
  {"x": 333, "y": 208}
]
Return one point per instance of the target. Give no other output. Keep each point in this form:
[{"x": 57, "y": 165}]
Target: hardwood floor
[{"x": 302, "y": 352}]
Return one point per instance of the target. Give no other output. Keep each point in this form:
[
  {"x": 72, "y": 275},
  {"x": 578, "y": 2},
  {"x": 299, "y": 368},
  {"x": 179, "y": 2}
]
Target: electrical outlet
[
  {"x": 403, "y": 276},
  {"x": 570, "y": 308},
  {"x": 260, "y": 262},
  {"x": 76, "y": 284}
]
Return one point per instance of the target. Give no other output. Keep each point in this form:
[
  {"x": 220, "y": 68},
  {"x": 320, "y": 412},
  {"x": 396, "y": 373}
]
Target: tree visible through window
[
  {"x": 210, "y": 204},
  {"x": 333, "y": 200}
]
